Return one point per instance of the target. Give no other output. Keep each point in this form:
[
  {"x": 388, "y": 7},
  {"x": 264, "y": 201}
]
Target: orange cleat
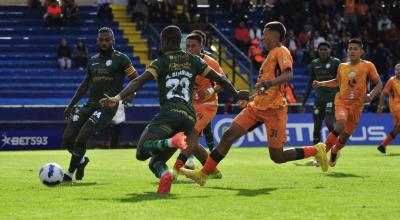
[
  {"x": 179, "y": 141},
  {"x": 165, "y": 182}
]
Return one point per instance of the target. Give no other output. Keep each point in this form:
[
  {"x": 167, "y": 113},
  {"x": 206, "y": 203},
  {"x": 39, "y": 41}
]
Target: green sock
[
  {"x": 158, "y": 168},
  {"x": 154, "y": 147}
]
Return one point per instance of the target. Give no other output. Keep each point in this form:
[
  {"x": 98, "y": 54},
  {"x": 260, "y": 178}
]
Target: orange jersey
[
  {"x": 202, "y": 83},
  {"x": 392, "y": 88},
  {"x": 277, "y": 61},
  {"x": 352, "y": 82}
]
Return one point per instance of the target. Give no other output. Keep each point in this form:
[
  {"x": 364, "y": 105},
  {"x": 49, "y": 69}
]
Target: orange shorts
[
  {"x": 275, "y": 121},
  {"x": 204, "y": 114},
  {"x": 396, "y": 117},
  {"x": 349, "y": 115}
]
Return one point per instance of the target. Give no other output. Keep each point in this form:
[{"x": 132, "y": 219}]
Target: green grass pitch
[{"x": 364, "y": 185}]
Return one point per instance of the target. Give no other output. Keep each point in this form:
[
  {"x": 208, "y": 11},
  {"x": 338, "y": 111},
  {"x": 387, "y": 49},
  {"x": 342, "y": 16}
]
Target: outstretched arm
[
  {"x": 285, "y": 77},
  {"x": 227, "y": 86},
  {"x": 377, "y": 89},
  {"x": 329, "y": 83},
  {"x": 381, "y": 103},
  {"x": 80, "y": 92}
]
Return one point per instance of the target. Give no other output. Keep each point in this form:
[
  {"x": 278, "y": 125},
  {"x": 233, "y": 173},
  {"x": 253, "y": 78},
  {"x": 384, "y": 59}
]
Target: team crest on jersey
[
  {"x": 328, "y": 65},
  {"x": 352, "y": 74},
  {"x": 108, "y": 62}
]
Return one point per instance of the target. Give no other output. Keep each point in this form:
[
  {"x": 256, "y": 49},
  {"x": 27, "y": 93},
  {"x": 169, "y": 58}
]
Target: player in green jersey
[
  {"x": 105, "y": 75},
  {"x": 175, "y": 72},
  {"x": 322, "y": 69}
]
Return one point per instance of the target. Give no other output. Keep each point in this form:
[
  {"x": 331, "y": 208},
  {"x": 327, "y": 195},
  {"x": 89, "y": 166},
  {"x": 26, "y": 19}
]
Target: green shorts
[
  {"x": 171, "y": 121},
  {"x": 321, "y": 109},
  {"x": 93, "y": 117}
]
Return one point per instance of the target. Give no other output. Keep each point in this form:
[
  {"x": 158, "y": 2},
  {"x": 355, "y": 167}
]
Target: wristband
[
  {"x": 266, "y": 85},
  {"x": 211, "y": 90},
  {"x": 118, "y": 97}
]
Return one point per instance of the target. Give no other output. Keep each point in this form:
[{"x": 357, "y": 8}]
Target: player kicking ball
[
  {"x": 175, "y": 72},
  {"x": 392, "y": 89},
  {"x": 269, "y": 107},
  {"x": 352, "y": 79}
]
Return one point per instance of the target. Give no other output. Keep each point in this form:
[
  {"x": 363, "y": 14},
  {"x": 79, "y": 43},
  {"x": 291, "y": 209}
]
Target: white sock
[
  {"x": 82, "y": 160},
  {"x": 69, "y": 174},
  {"x": 169, "y": 142}
]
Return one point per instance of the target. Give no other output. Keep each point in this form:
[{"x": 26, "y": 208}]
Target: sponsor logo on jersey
[{"x": 108, "y": 62}]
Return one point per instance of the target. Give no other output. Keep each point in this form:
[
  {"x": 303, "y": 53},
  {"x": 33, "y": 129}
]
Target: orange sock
[
  {"x": 339, "y": 145},
  {"x": 210, "y": 166},
  {"x": 330, "y": 141},
  {"x": 178, "y": 164},
  {"x": 309, "y": 151},
  {"x": 387, "y": 141}
]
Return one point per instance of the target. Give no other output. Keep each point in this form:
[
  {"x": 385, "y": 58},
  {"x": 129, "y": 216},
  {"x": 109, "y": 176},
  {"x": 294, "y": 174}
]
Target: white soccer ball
[{"x": 51, "y": 174}]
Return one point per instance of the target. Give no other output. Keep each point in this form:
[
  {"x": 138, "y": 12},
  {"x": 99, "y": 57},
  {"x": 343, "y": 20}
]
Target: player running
[
  {"x": 392, "y": 89},
  {"x": 269, "y": 106},
  {"x": 352, "y": 79},
  {"x": 205, "y": 99},
  {"x": 322, "y": 69},
  {"x": 175, "y": 73},
  {"x": 105, "y": 75}
]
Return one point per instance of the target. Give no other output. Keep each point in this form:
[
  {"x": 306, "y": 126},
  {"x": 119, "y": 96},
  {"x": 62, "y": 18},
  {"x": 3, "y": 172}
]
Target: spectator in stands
[
  {"x": 383, "y": 22},
  {"x": 382, "y": 58},
  {"x": 255, "y": 54},
  {"x": 294, "y": 46},
  {"x": 53, "y": 15},
  {"x": 317, "y": 39},
  {"x": 33, "y": 4},
  {"x": 255, "y": 32},
  {"x": 206, "y": 18},
  {"x": 350, "y": 16},
  {"x": 104, "y": 12},
  {"x": 196, "y": 24},
  {"x": 192, "y": 8},
  {"x": 139, "y": 14},
  {"x": 228, "y": 107},
  {"x": 80, "y": 55},
  {"x": 64, "y": 55},
  {"x": 242, "y": 37},
  {"x": 362, "y": 13},
  {"x": 70, "y": 11}
]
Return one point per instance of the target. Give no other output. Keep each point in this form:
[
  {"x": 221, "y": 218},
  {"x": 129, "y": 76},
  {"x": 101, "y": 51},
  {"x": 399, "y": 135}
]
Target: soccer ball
[{"x": 51, "y": 174}]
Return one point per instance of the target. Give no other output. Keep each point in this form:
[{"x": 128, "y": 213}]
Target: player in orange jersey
[
  {"x": 349, "y": 101},
  {"x": 269, "y": 106},
  {"x": 392, "y": 89},
  {"x": 205, "y": 100}
]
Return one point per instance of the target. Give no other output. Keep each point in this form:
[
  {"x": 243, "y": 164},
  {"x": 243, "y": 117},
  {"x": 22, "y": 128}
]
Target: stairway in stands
[{"x": 29, "y": 73}]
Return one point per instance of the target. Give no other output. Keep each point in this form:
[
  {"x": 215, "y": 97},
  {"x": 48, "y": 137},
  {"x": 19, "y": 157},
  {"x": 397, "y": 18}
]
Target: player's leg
[
  {"x": 208, "y": 135},
  {"x": 240, "y": 125},
  {"x": 158, "y": 165},
  {"x": 330, "y": 116},
  {"x": 318, "y": 117},
  {"x": 392, "y": 135},
  {"x": 341, "y": 115}
]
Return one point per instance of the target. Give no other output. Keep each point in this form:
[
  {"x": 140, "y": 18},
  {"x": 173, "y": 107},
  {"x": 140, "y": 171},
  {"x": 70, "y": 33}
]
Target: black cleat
[
  {"x": 67, "y": 178},
  {"x": 80, "y": 171},
  {"x": 382, "y": 149}
]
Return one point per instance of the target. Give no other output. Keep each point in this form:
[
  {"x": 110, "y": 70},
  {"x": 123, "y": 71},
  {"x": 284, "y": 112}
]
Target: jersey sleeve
[
  {"x": 127, "y": 66},
  {"x": 372, "y": 72},
  {"x": 388, "y": 87},
  {"x": 285, "y": 60},
  {"x": 154, "y": 68},
  {"x": 200, "y": 66},
  {"x": 213, "y": 64}
]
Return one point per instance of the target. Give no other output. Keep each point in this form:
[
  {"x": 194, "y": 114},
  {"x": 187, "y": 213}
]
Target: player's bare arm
[
  {"x": 80, "y": 92},
  {"x": 130, "y": 97},
  {"x": 131, "y": 88},
  {"x": 329, "y": 83},
  {"x": 285, "y": 77},
  {"x": 381, "y": 104},
  {"x": 227, "y": 86},
  {"x": 377, "y": 89}
]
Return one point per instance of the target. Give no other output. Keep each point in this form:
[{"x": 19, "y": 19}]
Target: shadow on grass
[
  {"x": 308, "y": 164},
  {"x": 149, "y": 196},
  {"x": 343, "y": 175},
  {"x": 392, "y": 154},
  {"x": 81, "y": 184},
  {"x": 247, "y": 192}
]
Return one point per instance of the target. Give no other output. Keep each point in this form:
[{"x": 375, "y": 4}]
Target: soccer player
[
  {"x": 352, "y": 79},
  {"x": 105, "y": 75},
  {"x": 175, "y": 72},
  {"x": 269, "y": 106},
  {"x": 322, "y": 69},
  {"x": 392, "y": 89},
  {"x": 205, "y": 100}
]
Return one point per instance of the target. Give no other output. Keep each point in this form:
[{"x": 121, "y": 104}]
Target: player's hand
[
  {"x": 379, "y": 110},
  {"x": 316, "y": 84},
  {"x": 262, "y": 86},
  {"x": 68, "y": 111},
  {"x": 110, "y": 101},
  {"x": 242, "y": 103},
  {"x": 367, "y": 99},
  {"x": 243, "y": 95}
]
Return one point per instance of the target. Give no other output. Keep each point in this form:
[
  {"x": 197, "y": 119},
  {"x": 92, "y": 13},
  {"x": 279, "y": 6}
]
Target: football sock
[
  {"x": 158, "y": 168},
  {"x": 74, "y": 163},
  {"x": 388, "y": 139},
  {"x": 209, "y": 137},
  {"x": 156, "y": 146},
  {"x": 212, "y": 162},
  {"x": 180, "y": 161},
  {"x": 339, "y": 145},
  {"x": 308, "y": 151},
  {"x": 82, "y": 160},
  {"x": 331, "y": 140}
]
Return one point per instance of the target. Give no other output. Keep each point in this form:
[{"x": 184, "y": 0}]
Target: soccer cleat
[
  {"x": 333, "y": 159},
  {"x": 179, "y": 141},
  {"x": 166, "y": 180},
  {"x": 321, "y": 156},
  {"x": 197, "y": 175},
  {"x": 67, "y": 178},
  {"x": 382, "y": 149},
  {"x": 80, "y": 171},
  {"x": 217, "y": 175}
]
